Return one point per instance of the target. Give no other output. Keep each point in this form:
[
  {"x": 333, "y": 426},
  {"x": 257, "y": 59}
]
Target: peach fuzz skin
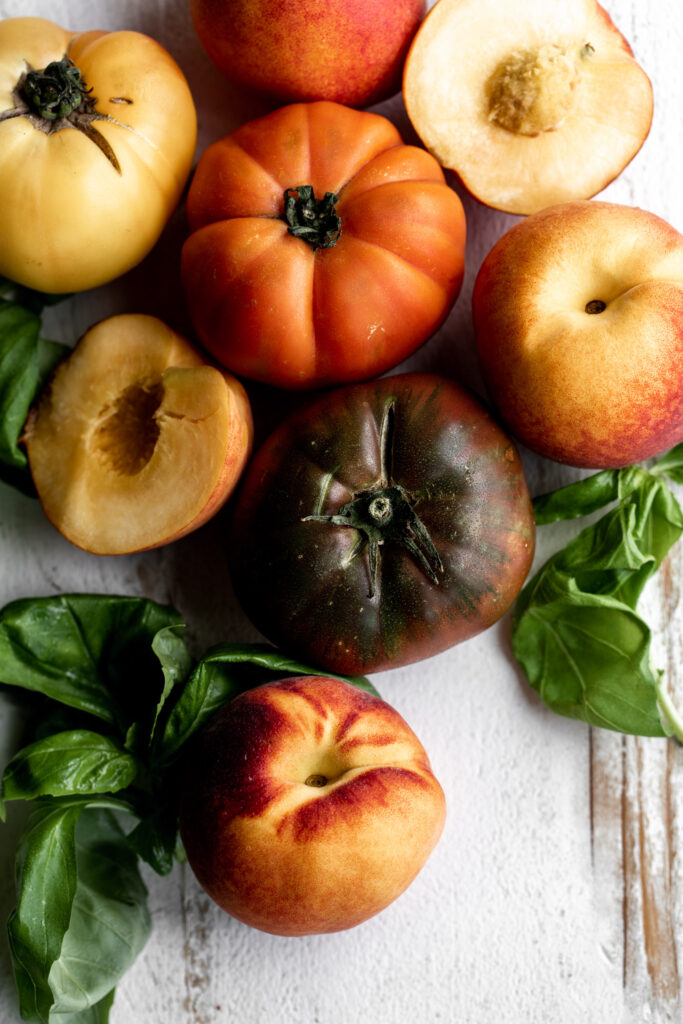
[
  {"x": 290, "y": 855},
  {"x": 350, "y": 51},
  {"x": 599, "y": 389}
]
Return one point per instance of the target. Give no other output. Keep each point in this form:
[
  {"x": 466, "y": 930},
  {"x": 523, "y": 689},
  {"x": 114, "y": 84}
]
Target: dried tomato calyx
[
  {"x": 313, "y": 220},
  {"x": 57, "y": 98},
  {"x": 56, "y": 91},
  {"x": 385, "y": 514}
]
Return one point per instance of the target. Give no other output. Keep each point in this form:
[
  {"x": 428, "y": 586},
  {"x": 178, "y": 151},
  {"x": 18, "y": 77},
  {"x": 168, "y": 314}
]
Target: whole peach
[
  {"x": 350, "y": 51},
  {"x": 578, "y": 312},
  {"x": 308, "y": 806}
]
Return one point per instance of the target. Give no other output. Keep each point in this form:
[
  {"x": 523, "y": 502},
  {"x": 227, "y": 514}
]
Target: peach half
[
  {"x": 136, "y": 440},
  {"x": 530, "y": 104}
]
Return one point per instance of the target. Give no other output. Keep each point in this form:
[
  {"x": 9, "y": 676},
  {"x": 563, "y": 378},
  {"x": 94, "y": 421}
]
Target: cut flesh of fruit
[
  {"x": 136, "y": 440},
  {"x": 531, "y": 104}
]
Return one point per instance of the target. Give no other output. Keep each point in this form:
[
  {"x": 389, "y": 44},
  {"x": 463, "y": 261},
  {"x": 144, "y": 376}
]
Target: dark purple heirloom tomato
[{"x": 382, "y": 524}]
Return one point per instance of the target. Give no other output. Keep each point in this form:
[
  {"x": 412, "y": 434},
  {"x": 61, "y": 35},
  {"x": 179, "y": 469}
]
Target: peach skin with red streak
[
  {"x": 350, "y": 51},
  {"x": 308, "y": 806}
]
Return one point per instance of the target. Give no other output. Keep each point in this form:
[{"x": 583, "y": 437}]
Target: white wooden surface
[{"x": 556, "y": 893}]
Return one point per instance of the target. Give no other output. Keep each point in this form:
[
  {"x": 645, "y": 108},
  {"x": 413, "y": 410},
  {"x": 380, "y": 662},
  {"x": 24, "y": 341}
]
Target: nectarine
[
  {"x": 350, "y": 51},
  {"x": 309, "y": 805},
  {"x": 578, "y": 313}
]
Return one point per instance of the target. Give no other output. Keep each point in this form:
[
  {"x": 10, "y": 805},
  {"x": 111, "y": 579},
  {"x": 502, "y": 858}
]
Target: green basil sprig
[
  {"x": 76, "y": 761},
  {"x": 81, "y": 917},
  {"x": 26, "y": 361},
  {"x": 117, "y": 695},
  {"x": 575, "y": 631},
  {"x": 225, "y": 671},
  {"x": 90, "y": 652}
]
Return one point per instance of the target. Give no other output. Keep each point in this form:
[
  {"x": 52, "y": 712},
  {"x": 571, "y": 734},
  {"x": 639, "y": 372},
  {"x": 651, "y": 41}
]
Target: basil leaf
[
  {"x": 47, "y": 887},
  {"x": 176, "y": 663},
  {"x": 671, "y": 464},
  {"x": 109, "y": 924},
  {"x": 25, "y": 363},
  {"x": 66, "y": 764},
  {"x": 577, "y": 499},
  {"x": 224, "y": 672},
  {"x": 575, "y": 631},
  {"x": 96, "y": 1014},
  {"x": 588, "y": 495},
  {"x": 155, "y": 838},
  {"x": 81, "y": 917},
  {"x": 588, "y": 657},
  {"x": 619, "y": 553},
  {"x": 91, "y": 652}
]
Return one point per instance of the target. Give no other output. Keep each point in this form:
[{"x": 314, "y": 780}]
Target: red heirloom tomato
[
  {"x": 381, "y": 525},
  {"x": 323, "y": 249}
]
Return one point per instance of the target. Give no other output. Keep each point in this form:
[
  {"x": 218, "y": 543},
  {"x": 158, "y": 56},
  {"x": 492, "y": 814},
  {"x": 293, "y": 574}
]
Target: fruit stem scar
[
  {"x": 385, "y": 514},
  {"x": 595, "y": 306},
  {"x": 380, "y": 509},
  {"x": 314, "y": 221},
  {"x": 316, "y": 780}
]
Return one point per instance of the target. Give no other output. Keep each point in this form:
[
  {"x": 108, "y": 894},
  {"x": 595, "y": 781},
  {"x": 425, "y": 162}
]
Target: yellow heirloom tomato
[{"x": 97, "y": 137}]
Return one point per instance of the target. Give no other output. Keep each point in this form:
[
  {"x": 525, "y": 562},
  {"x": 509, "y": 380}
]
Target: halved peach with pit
[
  {"x": 530, "y": 104},
  {"x": 136, "y": 440}
]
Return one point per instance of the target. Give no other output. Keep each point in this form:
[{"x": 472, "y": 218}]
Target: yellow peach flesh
[
  {"x": 527, "y": 108},
  {"x": 129, "y": 444}
]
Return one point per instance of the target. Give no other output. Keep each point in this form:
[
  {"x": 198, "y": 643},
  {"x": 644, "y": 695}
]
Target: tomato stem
[
  {"x": 56, "y": 91},
  {"x": 315, "y": 221},
  {"x": 57, "y": 98},
  {"x": 380, "y": 509},
  {"x": 385, "y": 514}
]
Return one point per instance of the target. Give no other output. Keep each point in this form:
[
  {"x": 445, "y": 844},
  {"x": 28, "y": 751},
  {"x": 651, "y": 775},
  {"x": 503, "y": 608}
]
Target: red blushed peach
[
  {"x": 309, "y": 805},
  {"x": 136, "y": 440},
  {"x": 349, "y": 51},
  {"x": 578, "y": 313}
]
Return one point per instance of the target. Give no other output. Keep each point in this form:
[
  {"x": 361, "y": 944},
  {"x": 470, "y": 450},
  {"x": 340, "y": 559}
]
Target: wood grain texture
[
  {"x": 636, "y": 783},
  {"x": 556, "y": 892}
]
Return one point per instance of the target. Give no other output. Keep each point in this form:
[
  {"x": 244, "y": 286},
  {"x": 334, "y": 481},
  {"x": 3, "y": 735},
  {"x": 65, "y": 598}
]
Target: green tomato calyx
[
  {"x": 385, "y": 514},
  {"x": 314, "y": 221},
  {"x": 57, "y": 98},
  {"x": 55, "y": 92}
]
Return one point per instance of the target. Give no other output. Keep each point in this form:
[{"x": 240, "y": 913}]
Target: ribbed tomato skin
[
  {"x": 305, "y": 584},
  {"x": 268, "y": 305}
]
